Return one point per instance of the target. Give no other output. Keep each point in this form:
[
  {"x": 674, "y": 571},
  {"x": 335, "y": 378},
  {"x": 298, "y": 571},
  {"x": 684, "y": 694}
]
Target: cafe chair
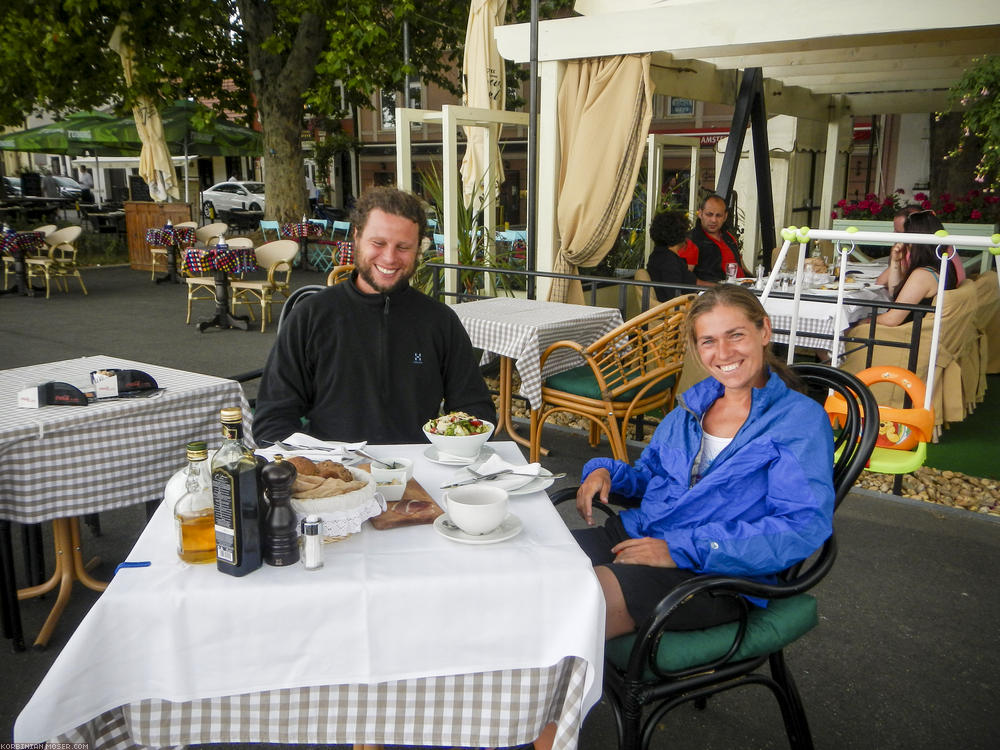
[
  {"x": 206, "y": 235},
  {"x": 903, "y": 434},
  {"x": 277, "y": 258},
  {"x": 202, "y": 287},
  {"x": 273, "y": 226},
  {"x": 338, "y": 274},
  {"x": 59, "y": 263},
  {"x": 158, "y": 255},
  {"x": 629, "y": 371},
  {"x": 654, "y": 670},
  {"x": 45, "y": 229},
  {"x": 340, "y": 226}
]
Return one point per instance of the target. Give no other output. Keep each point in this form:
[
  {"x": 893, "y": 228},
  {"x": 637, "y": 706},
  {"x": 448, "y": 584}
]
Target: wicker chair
[
  {"x": 277, "y": 258},
  {"x": 338, "y": 274},
  {"x": 60, "y": 261},
  {"x": 629, "y": 371}
]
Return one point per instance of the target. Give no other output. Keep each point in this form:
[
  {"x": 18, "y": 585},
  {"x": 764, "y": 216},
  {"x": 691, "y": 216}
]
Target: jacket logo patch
[{"x": 418, "y": 358}]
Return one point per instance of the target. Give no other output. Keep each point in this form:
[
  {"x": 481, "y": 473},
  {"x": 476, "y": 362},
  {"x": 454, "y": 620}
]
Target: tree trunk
[{"x": 279, "y": 81}]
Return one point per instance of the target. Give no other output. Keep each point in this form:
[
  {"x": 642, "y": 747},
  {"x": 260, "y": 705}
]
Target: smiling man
[{"x": 372, "y": 358}]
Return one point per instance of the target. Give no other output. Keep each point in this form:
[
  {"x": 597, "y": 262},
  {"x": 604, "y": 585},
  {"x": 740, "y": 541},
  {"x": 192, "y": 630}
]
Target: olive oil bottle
[{"x": 236, "y": 500}]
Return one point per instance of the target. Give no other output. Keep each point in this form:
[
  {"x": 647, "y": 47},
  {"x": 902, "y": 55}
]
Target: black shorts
[{"x": 645, "y": 585}]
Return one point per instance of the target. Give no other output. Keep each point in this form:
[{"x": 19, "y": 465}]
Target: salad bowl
[{"x": 458, "y": 434}]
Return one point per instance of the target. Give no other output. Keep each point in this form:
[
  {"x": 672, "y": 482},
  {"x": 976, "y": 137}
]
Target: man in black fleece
[{"x": 371, "y": 358}]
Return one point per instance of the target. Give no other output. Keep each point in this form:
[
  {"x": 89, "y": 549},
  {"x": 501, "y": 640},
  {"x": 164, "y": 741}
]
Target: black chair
[{"x": 658, "y": 669}]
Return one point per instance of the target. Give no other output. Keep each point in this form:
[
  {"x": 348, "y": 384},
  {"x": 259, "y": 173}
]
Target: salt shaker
[{"x": 313, "y": 543}]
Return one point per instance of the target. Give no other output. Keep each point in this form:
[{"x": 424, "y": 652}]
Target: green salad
[{"x": 456, "y": 423}]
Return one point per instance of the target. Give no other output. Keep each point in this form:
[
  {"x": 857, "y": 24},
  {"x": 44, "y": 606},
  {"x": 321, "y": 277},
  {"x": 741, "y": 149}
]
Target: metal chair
[
  {"x": 207, "y": 234},
  {"x": 629, "y": 371},
  {"x": 340, "y": 226},
  {"x": 659, "y": 669},
  {"x": 339, "y": 274},
  {"x": 270, "y": 225},
  {"x": 60, "y": 261}
]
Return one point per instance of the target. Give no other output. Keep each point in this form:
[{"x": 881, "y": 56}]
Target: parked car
[
  {"x": 13, "y": 186},
  {"x": 232, "y": 196},
  {"x": 68, "y": 187}
]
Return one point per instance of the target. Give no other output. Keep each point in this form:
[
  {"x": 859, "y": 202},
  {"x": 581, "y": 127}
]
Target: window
[{"x": 682, "y": 107}]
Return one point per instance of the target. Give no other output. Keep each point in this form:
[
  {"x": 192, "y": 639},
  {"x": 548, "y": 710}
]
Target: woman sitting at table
[
  {"x": 912, "y": 276},
  {"x": 668, "y": 262},
  {"x": 737, "y": 480}
]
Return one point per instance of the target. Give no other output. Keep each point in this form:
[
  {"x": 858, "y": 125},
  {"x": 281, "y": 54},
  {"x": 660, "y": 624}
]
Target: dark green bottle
[{"x": 236, "y": 498}]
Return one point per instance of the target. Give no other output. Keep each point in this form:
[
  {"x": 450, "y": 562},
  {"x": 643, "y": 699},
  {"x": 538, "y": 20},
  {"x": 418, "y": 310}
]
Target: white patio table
[{"x": 403, "y": 637}]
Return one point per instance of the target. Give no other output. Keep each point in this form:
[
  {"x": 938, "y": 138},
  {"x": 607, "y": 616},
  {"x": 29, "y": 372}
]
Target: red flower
[
  {"x": 975, "y": 214},
  {"x": 921, "y": 197},
  {"x": 925, "y": 204},
  {"x": 833, "y": 214},
  {"x": 841, "y": 203}
]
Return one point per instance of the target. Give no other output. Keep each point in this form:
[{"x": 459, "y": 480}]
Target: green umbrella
[
  {"x": 73, "y": 135},
  {"x": 220, "y": 138}
]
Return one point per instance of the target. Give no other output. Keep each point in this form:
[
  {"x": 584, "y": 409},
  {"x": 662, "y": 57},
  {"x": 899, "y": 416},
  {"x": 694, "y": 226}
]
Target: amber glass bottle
[{"x": 193, "y": 516}]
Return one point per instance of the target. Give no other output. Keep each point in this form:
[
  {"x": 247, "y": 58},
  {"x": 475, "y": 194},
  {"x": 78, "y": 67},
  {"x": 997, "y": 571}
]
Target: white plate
[
  {"x": 431, "y": 454},
  {"x": 516, "y": 487},
  {"x": 510, "y": 528}
]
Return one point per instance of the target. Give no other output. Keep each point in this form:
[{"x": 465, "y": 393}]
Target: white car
[{"x": 232, "y": 196}]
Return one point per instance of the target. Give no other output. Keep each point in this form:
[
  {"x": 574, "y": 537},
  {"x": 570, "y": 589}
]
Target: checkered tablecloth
[
  {"x": 62, "y": 461},
  {"x": 232, "y": 260},
  {"x": 819, "y": 317},
  {"x": 486, "y": 709},
  {"x": 298, "y": 230},
  {"x": 27, "y": 243},
  {"x": 345, "y": 253},
  {"x": 522, "y": 329},
  {"x": 172, "y": 237}
]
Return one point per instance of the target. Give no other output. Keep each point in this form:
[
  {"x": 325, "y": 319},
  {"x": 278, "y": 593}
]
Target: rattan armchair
[
  {"x": 277, "y": 258},
  {"x": 60, "y": 261},
  {"x": 629, "y": 371},
  {"x": 339, "y": 273}
]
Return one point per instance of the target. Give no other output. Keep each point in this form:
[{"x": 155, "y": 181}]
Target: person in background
[
  {"x": 737, "y": 480},
  {"x": 313, "y": 192},
  {"x": 50, "y": 188},
  {"x": 912, "y": 276},
  {"x": 87, "y": 183},
  {"x": 371, "y": 358},
  {"x": 898, "y": 222},
  {"x": 717, "y": 246},
  {"x": 669, "y": 230}
]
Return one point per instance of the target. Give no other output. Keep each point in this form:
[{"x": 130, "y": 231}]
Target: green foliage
[{"x": 975, "y": 93}]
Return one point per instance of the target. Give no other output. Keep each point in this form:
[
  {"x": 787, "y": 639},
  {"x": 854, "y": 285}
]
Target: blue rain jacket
[{"x": 765, "y": 503}]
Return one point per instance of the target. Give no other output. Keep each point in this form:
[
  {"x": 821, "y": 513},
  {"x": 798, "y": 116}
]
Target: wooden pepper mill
[{"x": 280, "y": 535}]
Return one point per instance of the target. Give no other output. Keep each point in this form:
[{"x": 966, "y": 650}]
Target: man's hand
[
  {"x": 598, "y": 482},
  {"x": 644, "y": 551}
]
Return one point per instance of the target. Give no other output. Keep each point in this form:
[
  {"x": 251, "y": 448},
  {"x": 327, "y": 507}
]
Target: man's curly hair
[{"x": 669, "y": 228}]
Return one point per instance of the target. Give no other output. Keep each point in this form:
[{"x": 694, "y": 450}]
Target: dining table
[
  {"x": 62, "y": 462},
  {"x": 221, "y": 261},
  {"x": 518, "y": 330},
  {"x": 175, "y": 240},
  {"x": 20, "y": 245},
  {"x": 303, "y": 232},
  {"x": 404, "y": 636}
]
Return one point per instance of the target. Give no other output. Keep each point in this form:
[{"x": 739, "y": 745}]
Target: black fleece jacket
[{"x": 369, "y": 367}]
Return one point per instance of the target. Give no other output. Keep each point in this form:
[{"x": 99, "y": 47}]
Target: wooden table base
[{"x": 69, "y": 567}]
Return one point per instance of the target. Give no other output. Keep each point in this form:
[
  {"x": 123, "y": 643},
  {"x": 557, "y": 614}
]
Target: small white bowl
[
  {"x": 404, "y": 467},
  {"x": 475, "y": 509},
  {"x": 465, "y": 446}
]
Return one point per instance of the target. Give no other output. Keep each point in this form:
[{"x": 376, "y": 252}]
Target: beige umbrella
[
  {"x": 605, "y": 107},
  {"x": 155, "y": 166},
  {"x": 484, "y": 86}
]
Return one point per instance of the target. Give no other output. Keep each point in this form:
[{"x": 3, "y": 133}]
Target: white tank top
[{"x": 711, "y": 446}]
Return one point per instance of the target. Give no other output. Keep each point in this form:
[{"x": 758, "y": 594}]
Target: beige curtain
[
  {"x": 155, "y": 165},
  {"x": 605, "y": 106},
  {"x": 484, "y": 87}
]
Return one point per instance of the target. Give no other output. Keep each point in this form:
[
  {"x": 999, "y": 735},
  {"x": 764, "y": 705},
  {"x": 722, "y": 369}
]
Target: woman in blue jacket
[{"x": 738, "y": 479}]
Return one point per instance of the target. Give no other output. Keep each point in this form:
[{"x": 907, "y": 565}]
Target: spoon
[{"x": 379, "y": 461}]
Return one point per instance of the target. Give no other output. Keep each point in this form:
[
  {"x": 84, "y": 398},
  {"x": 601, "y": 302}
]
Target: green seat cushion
[
  {"x": 580, "y": 381},
  {"x": 768, "y": 629}
]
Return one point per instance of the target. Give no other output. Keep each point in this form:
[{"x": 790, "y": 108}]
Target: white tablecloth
[
  {"x": 523, "y": 328},
  {"x": 62, "y": 461},
  {"x": 820, "y": 317},
  {"x": 389, "y": 606}
]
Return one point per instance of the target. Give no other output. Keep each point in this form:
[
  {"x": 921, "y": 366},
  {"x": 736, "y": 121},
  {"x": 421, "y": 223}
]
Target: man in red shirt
[{"x": 716, "y": 245}]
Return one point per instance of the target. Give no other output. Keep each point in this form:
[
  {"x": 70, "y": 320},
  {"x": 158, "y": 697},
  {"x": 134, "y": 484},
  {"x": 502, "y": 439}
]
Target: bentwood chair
[
  {"x": 277, "y": 258},
  {"x": 59, "y": 262},
  {"x": 652, "y": 671},
  {"x": 339, "y": 274},
  {"x": 629, "y": 371},
  {"x": 207, "y": 234}
]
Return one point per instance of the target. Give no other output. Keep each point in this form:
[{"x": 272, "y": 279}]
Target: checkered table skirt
[
  {"x": 163, "y": 237},
  {"x": 345, "y": 253},
  {"x": 28, "y": 243},
  {"x": 486, "y": 709},
  {"x": 63, "y": 461},
  {"x": 299, "y": 230},
  {"x": 232, "y": 260}
]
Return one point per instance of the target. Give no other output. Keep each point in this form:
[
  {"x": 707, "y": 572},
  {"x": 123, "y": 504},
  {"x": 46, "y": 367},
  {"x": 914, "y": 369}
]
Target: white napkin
[
  {"x": 520, "y": 474},
  {"x": 341, "y": 452}
]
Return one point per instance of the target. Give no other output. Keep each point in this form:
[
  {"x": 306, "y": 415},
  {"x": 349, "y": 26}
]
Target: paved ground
[{"x": 905, "y": 655}]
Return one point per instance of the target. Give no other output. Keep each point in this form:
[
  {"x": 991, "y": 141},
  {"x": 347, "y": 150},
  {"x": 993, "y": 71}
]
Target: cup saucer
[
  {"x": 510, "y": 528},
  {"x": 431, "y": 453}
]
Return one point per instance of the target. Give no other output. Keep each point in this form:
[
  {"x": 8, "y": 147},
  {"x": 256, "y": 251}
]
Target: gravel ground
[{"x": 941, "y": 487}]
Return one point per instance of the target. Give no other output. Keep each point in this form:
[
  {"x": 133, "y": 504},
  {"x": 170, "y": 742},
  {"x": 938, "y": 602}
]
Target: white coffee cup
[{"x": 475, "y": 509}]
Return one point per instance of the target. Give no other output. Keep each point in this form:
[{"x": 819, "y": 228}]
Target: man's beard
[{"x": 365, "y": 272}]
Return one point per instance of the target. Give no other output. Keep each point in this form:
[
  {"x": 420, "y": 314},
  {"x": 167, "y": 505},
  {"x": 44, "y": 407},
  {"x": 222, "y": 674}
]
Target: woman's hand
[
  {"x": 897, "y": 254},
  {"x": 644, "y": 551},
  {"x": 598, "y": 482}
]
